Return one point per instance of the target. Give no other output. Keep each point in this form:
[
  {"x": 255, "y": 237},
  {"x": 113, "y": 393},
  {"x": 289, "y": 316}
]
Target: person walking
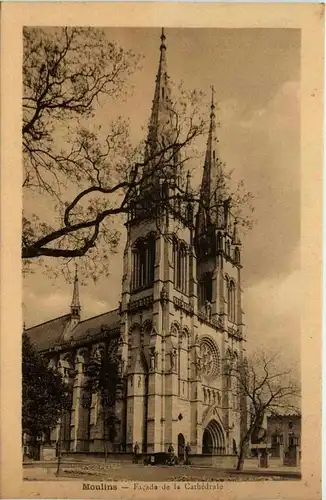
[
  {"x": 171, "y": 454},
  {"x": 187, "y": 453},
  {"x": 136, "y": 452}
]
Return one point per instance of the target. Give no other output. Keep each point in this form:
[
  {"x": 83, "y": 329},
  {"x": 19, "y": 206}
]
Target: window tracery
[
  {"x": 210, "y": 358},
  {"x": 143, "y": 262},
  {"x": 206, "y": 290},
  {"x": 180, "y": 265},
  {"x": 231, "y": 301}
]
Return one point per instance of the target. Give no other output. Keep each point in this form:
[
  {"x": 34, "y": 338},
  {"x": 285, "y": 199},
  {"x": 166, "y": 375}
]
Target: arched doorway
[
  {"x": 213, "y": 439},
  {"x": 207, "y": 443},
  {"x": 181, "y": 445}
]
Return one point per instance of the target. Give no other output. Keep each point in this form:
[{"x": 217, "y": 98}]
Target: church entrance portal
[
  {"x": 181, "y": 445},
  {"x": 213, "y": 439}
]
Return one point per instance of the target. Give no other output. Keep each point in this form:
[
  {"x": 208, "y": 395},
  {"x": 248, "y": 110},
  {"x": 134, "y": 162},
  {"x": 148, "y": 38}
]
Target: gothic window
[
  {"x": 228, "y": 248},
  {"x": 206, "y": 289},
  {"x": 143, "y": 263},
  {"x": 180, "y": 265},
  {"x": 231, "y": 301}
]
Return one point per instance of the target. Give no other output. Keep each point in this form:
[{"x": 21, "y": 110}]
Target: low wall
[
  {"x": 220, "y": 461},
  {"x": 97, "y": 456},
  {"x": 227, "y": 461}
]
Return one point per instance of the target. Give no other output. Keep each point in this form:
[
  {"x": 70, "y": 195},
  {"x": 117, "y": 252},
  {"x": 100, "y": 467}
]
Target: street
[{"x": 132, "y": 472}]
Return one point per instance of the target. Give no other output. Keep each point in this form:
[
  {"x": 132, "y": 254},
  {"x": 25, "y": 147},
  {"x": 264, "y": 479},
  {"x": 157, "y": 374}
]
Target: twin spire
[{"x": 162, "y": 129}]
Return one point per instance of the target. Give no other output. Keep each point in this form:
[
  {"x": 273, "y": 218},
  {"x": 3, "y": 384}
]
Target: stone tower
[
  {"x": 218, "y": 250},
  {"x": 158, "y": 270},
  {"x": 181, "y": 316}
]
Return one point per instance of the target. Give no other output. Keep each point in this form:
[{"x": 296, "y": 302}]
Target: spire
[
  {"x": 160, "y": 125},
  {"x": 75, "y": 303},
  {"x": 211, "y": 190},
  {"x": 211, "y": 167}
]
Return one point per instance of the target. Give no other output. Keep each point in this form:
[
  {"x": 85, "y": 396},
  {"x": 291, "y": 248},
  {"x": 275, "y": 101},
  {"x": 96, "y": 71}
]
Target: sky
[{"x": 256, "y": 76}]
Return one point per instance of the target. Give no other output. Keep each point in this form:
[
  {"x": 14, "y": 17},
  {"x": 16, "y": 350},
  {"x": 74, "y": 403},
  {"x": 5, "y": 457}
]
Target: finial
[
  {"x": 163, "y": 38},
  {"x": 75, "y": 303}
]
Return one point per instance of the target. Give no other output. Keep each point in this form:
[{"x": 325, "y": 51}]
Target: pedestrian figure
[
  {"x": 170, "y": 454},
  {"x": 136, "y": 452},
  {"x": 171, "y": 457},
  {"x": 186, "y": 453}
]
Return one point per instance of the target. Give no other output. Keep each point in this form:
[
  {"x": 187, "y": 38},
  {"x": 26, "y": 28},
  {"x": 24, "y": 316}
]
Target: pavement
[{"x": 46, "y": 471}]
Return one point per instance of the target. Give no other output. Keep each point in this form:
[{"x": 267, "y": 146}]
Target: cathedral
[{"x": 178, "y": 327}]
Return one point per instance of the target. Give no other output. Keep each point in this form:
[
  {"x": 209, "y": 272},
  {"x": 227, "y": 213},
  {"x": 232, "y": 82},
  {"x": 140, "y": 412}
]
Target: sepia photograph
[
  {"x": 161, "y": 249},
  {"x": 172, "y": 236}
]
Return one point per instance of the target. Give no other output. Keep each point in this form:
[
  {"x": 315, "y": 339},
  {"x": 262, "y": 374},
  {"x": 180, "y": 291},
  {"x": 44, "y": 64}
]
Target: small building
[
  {"x": 284, "y": 432},
  {"x": 280, "y": 438}
]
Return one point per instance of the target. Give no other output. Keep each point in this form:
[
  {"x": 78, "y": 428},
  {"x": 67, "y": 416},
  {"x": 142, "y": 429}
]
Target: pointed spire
[
  {"x": 211, "y": 181},
  {"x": 75, "y": 303},
  {"x": 161, "y": 116}
]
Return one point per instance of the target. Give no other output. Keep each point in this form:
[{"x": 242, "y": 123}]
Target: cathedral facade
[{"x": 178, "y": 327}]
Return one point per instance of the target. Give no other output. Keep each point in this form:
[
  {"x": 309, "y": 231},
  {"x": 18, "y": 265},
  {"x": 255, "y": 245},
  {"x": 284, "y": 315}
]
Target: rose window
[{"x": 210, "y": 357}]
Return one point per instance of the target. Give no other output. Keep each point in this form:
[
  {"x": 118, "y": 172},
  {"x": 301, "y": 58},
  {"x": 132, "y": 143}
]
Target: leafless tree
[
  {"x": 264, "y": 388},
  {"x": 88, "y": 173}
]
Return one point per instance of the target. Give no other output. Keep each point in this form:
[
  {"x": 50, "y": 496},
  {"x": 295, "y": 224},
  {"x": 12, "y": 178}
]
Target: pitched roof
[
  {"x": 50, "y": 333},
  {"x": 91, "y": 326}
]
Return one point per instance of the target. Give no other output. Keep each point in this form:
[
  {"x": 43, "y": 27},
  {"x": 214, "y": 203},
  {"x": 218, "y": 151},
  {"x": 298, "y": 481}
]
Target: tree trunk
[
  {"x": 105, "y": 435},
  {"x": 59, "y": 445},
  {"x": 243, "y": 453}
]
